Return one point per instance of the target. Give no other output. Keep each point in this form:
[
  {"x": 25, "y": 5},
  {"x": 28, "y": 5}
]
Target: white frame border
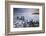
[{"x": 24, "y": 29}]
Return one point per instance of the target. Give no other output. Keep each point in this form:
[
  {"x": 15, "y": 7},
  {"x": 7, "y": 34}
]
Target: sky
[{"x": 24, "y": 10}]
